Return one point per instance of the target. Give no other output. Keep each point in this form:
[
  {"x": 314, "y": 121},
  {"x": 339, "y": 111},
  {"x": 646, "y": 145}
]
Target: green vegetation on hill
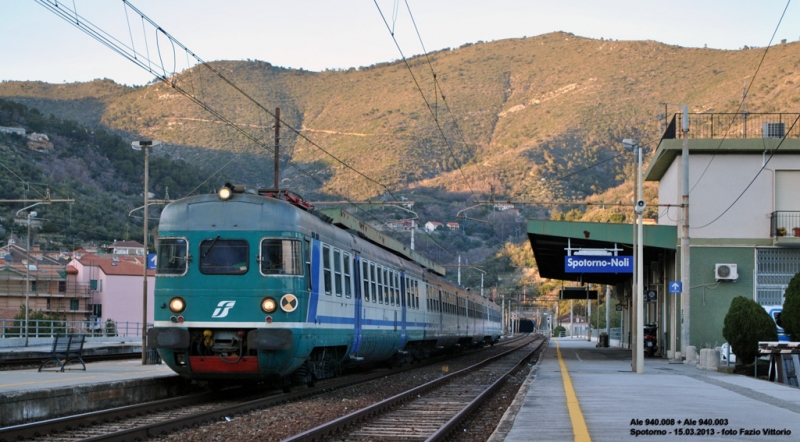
[
  {"x": 518, "y": 114},
  {"x": 96, "y": 168}
]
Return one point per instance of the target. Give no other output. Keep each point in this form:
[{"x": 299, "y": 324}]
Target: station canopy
[{"x": 551, "y": 239}]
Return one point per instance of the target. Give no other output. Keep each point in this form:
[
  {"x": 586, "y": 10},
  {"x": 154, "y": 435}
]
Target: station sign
[
  {"x": 151, "y": 261},
  {"x": 650, "y": 295},
  {"x": 598, "y": 264},
  {"x": 675, "y": 287}
]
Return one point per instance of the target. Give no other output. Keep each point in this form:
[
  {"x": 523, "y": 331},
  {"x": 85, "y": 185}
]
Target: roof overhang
[{"x": 550, "y": 240}]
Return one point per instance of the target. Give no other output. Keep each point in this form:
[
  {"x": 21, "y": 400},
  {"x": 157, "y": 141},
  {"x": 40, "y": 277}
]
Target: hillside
[
  {"x": 530, "y": 110},
  {"x": 539, "y": 118}
]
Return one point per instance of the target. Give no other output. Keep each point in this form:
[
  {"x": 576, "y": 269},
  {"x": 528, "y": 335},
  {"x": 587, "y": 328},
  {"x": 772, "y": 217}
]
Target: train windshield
[
  {"x": 224, "y": 256},
  {"x": 281, "y": 257},
  {"x": 171, "y": 258}
]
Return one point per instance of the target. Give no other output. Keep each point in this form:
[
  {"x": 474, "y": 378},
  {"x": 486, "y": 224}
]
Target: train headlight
[
  {"x": 177, "y": 305},
  {"x": 224, "y": 193},
  {"x": 268, "y": 305}
]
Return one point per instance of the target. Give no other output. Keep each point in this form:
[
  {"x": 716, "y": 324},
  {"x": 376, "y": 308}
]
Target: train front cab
[{"x": 232, "y": 311}]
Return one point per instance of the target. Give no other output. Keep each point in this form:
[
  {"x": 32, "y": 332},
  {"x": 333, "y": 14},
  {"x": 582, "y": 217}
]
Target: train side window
[
  {"x": 348, "y": 280},
  {"x": 385, "y": 286},
  {"x": 172, "y": 257},
  {"x": 396, "y": 288},
  {"x": 365, "y": 280},
  {"x": 224, "y": 256},
  {"x": 326, "y": 269},
  {"x": 337, "y": 272},
  {"x": 380, "y": 284},
  {"x": 416, "y": 293},
  {"x": 392, "y": 290},
  {"x": 373, "y": 282},
  {"x": 280, "y": 256}
]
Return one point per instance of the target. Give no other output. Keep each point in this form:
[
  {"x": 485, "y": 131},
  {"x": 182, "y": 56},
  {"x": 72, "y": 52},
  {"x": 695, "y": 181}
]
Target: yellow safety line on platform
[{"x": 578, "y": 424}]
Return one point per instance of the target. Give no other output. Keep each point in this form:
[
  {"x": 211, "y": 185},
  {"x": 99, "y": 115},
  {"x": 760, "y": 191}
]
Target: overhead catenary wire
[
  {"x": 170, "y": 79},
  {"x": 751, "y": 181},
  {"x": 425, "y": 99},
  {"x": 744, "y": 97},
  {"x": 437, "y": 85}
]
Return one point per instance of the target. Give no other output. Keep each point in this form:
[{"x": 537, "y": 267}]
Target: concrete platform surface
[
  {"x": 583, "y": 393},
  {"x": 96, "y": 373}
]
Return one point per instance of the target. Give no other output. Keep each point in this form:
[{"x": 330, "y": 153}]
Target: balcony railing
[
  {"x": 785, "y": 223},
  {"x": 740, "y": 125}
]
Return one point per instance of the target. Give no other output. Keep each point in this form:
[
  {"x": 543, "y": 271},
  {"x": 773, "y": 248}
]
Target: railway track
[
  {"x": 142, "y": 421},
  {"x": 431, "y": 411}
]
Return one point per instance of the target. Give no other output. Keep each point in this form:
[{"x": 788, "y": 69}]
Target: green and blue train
[{"x": 255, "y": 285}]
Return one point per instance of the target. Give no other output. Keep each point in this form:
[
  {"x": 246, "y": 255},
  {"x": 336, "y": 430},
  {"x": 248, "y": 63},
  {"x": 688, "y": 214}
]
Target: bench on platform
[{"x": 66, "y": 348}]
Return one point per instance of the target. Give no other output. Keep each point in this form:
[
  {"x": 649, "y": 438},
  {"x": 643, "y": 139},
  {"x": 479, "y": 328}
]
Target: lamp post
[
  {"x": 639, "y": 207},
  {"x": 27, "y": 262},
  {"x": 145, "y": 146}
]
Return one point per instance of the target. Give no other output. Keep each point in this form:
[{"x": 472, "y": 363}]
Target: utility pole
[
  {"x": 686, "y": 295},
  {"x": 45, "y": 200},
  {"x": 277, "y": 145}
]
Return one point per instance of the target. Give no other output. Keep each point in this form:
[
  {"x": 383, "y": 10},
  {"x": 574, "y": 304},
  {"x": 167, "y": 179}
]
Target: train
[{"x": 256, "y": 285}]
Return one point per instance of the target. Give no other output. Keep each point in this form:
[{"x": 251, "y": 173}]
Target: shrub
[
  {"x": 790, "y": 316},
  {"x": 558, "y": 330},
  {"x": 745, "y": 324}
]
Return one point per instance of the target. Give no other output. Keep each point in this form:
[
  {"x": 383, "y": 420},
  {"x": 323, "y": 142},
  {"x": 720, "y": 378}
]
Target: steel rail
[
  {"x": 141, "y": 432},
  {"x": 334, "y": 426}
]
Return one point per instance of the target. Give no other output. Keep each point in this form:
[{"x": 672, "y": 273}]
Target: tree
[
  {"x": 745, "y": 324},
  {"x": 790, "y": 316}
]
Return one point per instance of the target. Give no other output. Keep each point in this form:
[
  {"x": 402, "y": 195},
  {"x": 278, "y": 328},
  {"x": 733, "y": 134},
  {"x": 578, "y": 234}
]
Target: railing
[
  {"x": 740, "y": 125},
  {"x": 39, "y": 328},
  {"x": 785, "y": 223}
]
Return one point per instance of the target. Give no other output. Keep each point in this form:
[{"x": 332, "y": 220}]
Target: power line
[
  {"x": 425, "y": 99},
  {"x": 744, "y": 97},
  {"x": 753, "y": 180},
  {"x": 170, "y": 77}
]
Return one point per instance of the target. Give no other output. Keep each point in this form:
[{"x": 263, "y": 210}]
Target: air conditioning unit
[
  {"x": 773, "y": 130},
  {"x": 725, "y": 272}
]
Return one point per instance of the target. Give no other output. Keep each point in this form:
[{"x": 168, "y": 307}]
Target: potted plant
[
  {"x": 781, "y": 231},
  {"x": 796, "y": 231}
]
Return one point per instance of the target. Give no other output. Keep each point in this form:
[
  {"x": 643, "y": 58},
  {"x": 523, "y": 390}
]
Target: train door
[{"x": 358, "y": 305}]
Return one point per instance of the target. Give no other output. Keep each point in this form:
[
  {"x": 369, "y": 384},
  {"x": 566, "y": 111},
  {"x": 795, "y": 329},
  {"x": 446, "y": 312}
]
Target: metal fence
[
  {"x": 739, "y": 125},
  {"x": 785, "y": 223},
  {"x": 39, "y": 328}
]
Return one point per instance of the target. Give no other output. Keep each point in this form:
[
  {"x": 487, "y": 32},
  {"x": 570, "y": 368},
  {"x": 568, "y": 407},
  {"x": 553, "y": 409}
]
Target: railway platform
[
  {"x": 27, "y": 395},
  {"x": 583, "y": 393}
]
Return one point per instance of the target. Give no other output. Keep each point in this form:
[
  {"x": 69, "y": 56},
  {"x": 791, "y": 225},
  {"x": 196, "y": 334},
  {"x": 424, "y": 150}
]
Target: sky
[{"x": 316, "y": 35}]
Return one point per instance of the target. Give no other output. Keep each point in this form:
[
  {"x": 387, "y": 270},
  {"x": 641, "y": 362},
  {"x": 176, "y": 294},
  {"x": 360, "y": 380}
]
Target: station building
[{"x": 744, "y": 225}]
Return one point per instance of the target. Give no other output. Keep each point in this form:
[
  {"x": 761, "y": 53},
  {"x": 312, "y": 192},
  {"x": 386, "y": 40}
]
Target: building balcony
[
  {"x": 738, "y": 125},
  {"x": 785, "y": 228}
]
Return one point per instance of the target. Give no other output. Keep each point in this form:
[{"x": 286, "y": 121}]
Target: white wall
[{"x": 715, "y": 183}]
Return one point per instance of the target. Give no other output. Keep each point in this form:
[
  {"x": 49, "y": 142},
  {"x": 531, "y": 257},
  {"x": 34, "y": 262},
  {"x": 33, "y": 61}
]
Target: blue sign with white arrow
[
  {"x": 151, "y": 261},
  {"x": 675, "y": 287}
]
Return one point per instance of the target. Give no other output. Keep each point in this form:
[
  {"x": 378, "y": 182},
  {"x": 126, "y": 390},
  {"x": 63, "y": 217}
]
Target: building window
[
  {"x": 62, "y": 286},
  {"x": 93, "y": 284},
  {"x": 73, "y": 304}
]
